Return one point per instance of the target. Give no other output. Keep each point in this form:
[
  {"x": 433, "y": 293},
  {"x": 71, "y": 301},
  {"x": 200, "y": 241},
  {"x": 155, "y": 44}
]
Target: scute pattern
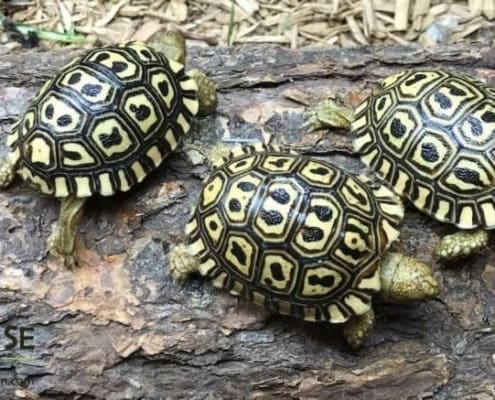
[
  {"x": 431, "y": 135},
  {"x": 293, "y": 233},
  {"x": 105, "y": 121}
]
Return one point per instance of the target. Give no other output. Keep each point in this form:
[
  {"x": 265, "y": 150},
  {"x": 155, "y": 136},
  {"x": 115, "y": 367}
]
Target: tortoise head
[
  {"x": 406, "y": 279},
  {"x": 171, "y": 43}
]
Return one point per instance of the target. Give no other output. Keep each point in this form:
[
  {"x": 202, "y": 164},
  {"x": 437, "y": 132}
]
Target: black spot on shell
[
  {"x": 163, "y": 88},
  {"x": 146, "y": 54},
  {"x": 112, "y": 139},
  {"x": 240, "y": 164},
  {"x": 397, "y": 128},
  {"x": 475, "y": 124},
  {"x": 102, "y": 57},
  {"x": 64, "y": 120},
  {"x": 319, "y": 171},
  {"x": 49, "y": 110},
  {"x": 213, "y": 225},
  {"x": 415, "y": 79},
  {"x": 27, "y": 124},
  {"x": 326, "y": 281},
  {"x": 75, "y": 78},
  {"x": 280, "y": 196},
  {"x": 268, "y": 281},
  {"x": 469, "y": 176},
  {"x": 234, "y": 205},
  {"x": 455, "y": 91},
  {"x": 277, "y": 272},
  {"x": 442, "y": 100},
  {"x": 141, "y": 113},
  {"x": 312, "y": 234},
  {"x": 323, "y": 213},
  {"x": 272, "y": 217},
  {"x": 279, "y": 163},
  {"x": 381, "y": 103},
  {"x": 119, "y": 66},
  {"x": 246, "y": 186},
  {"x": 91, "y": 90},
  {"x": 488, "y": 116},
  {"x": 73, "y": 155},
  {"x": 238, "y": 253},
  {"x": 429, "y": 152}
]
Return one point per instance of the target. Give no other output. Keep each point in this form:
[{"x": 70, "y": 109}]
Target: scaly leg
[
  {"x": 7, "y": 172},
  {"x": 182, "y": 263},
  {"x": 461, "y": 244},
  {"x": 63, "y": 238},
  {"x": 329, "y": 114},
  {"x": 358, "y": 328},
  {"x": 207, "y": 92}
]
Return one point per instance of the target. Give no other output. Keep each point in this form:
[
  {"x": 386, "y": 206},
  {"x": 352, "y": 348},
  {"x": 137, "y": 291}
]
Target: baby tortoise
[
  {"x": 301, "y": 237},
  {"x": 430, "y": 135},
  {"x": 102, "y": 124}
]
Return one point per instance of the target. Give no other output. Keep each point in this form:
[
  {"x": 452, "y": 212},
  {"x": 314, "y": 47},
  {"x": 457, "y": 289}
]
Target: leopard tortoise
[
  {"x": 102, "y": 124},
  {"x": 430, "y": 135},
  {"x": 301, "y": 237}
]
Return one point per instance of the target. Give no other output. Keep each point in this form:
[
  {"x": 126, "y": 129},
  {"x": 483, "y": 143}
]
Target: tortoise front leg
[
  {"x": 358, "y": 328},
  {"x": 63, "y": 237},
  {"x": 461, "y": 244},
  {"x": 207, "y": 92},
  {"x": 329, "y": 114}
]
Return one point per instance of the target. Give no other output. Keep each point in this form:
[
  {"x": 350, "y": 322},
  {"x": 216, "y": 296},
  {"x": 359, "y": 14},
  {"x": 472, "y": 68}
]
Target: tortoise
[
  {"x": 430, "y": 135},
  {"x": 102, "y": 124},
  {"x": 301, "y": 237}
]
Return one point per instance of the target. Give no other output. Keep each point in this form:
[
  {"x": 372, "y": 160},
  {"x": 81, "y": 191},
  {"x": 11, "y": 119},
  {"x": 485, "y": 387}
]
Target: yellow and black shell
[
  {"x": 295, "y": 234},
  {"x": 431, "y": 135},
  {"x": 104, "y": 121}
]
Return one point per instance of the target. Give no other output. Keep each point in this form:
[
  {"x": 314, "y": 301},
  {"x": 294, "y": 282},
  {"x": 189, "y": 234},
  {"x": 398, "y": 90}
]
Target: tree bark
[{"x": 118, "y": 328}]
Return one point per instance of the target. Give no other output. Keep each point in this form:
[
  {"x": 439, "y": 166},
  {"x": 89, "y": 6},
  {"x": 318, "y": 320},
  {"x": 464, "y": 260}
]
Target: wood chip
[
  {"x": 249, "y": 6},
  {"x": 369, "y": 18},
  {"x": 420, "y": 10},
  {"x": 317, "y": 28},
  {"x": 489, "y": 9},
  {"x": 110, "y": 15},
  {"x": 475, "y": 7},
  {"x": 177, "y": 9},
  {"x": 147, "y": 30},
  {"x": 355, "y": 31},
  {"x": 401, "y": 15},
  {"x": 293, "y": 23}
]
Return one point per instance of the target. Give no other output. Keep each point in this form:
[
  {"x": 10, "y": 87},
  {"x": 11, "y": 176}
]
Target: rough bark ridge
[{"x": 117, "y": 328}]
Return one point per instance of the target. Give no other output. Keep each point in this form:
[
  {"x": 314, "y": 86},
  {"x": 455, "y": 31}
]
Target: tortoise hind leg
[
  {"x": 7, "y": 172},
  {"x": 63, "y": 237},
  {"x": 182, "y": 263},
  {"x": 207, "y": 92},
  {"x": 461, "y": 244},
  {"x": 358, "y": 328}
]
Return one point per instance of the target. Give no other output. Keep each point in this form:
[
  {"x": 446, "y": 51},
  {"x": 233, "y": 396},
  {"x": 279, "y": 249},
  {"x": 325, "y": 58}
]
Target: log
[{"x": 118, "y": 328}]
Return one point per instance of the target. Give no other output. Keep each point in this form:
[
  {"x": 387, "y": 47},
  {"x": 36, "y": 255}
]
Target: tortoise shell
[
  {"x": 104, "y": 121},
  {"x": 430, "y": 134},
  {"x": 295, "y": 234}
]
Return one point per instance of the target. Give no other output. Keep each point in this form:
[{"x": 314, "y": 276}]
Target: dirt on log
[{"x": 118, "y": 328}]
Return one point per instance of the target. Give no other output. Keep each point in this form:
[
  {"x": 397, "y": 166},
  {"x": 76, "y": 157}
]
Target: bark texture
[{"x": 118, "y": 328}]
